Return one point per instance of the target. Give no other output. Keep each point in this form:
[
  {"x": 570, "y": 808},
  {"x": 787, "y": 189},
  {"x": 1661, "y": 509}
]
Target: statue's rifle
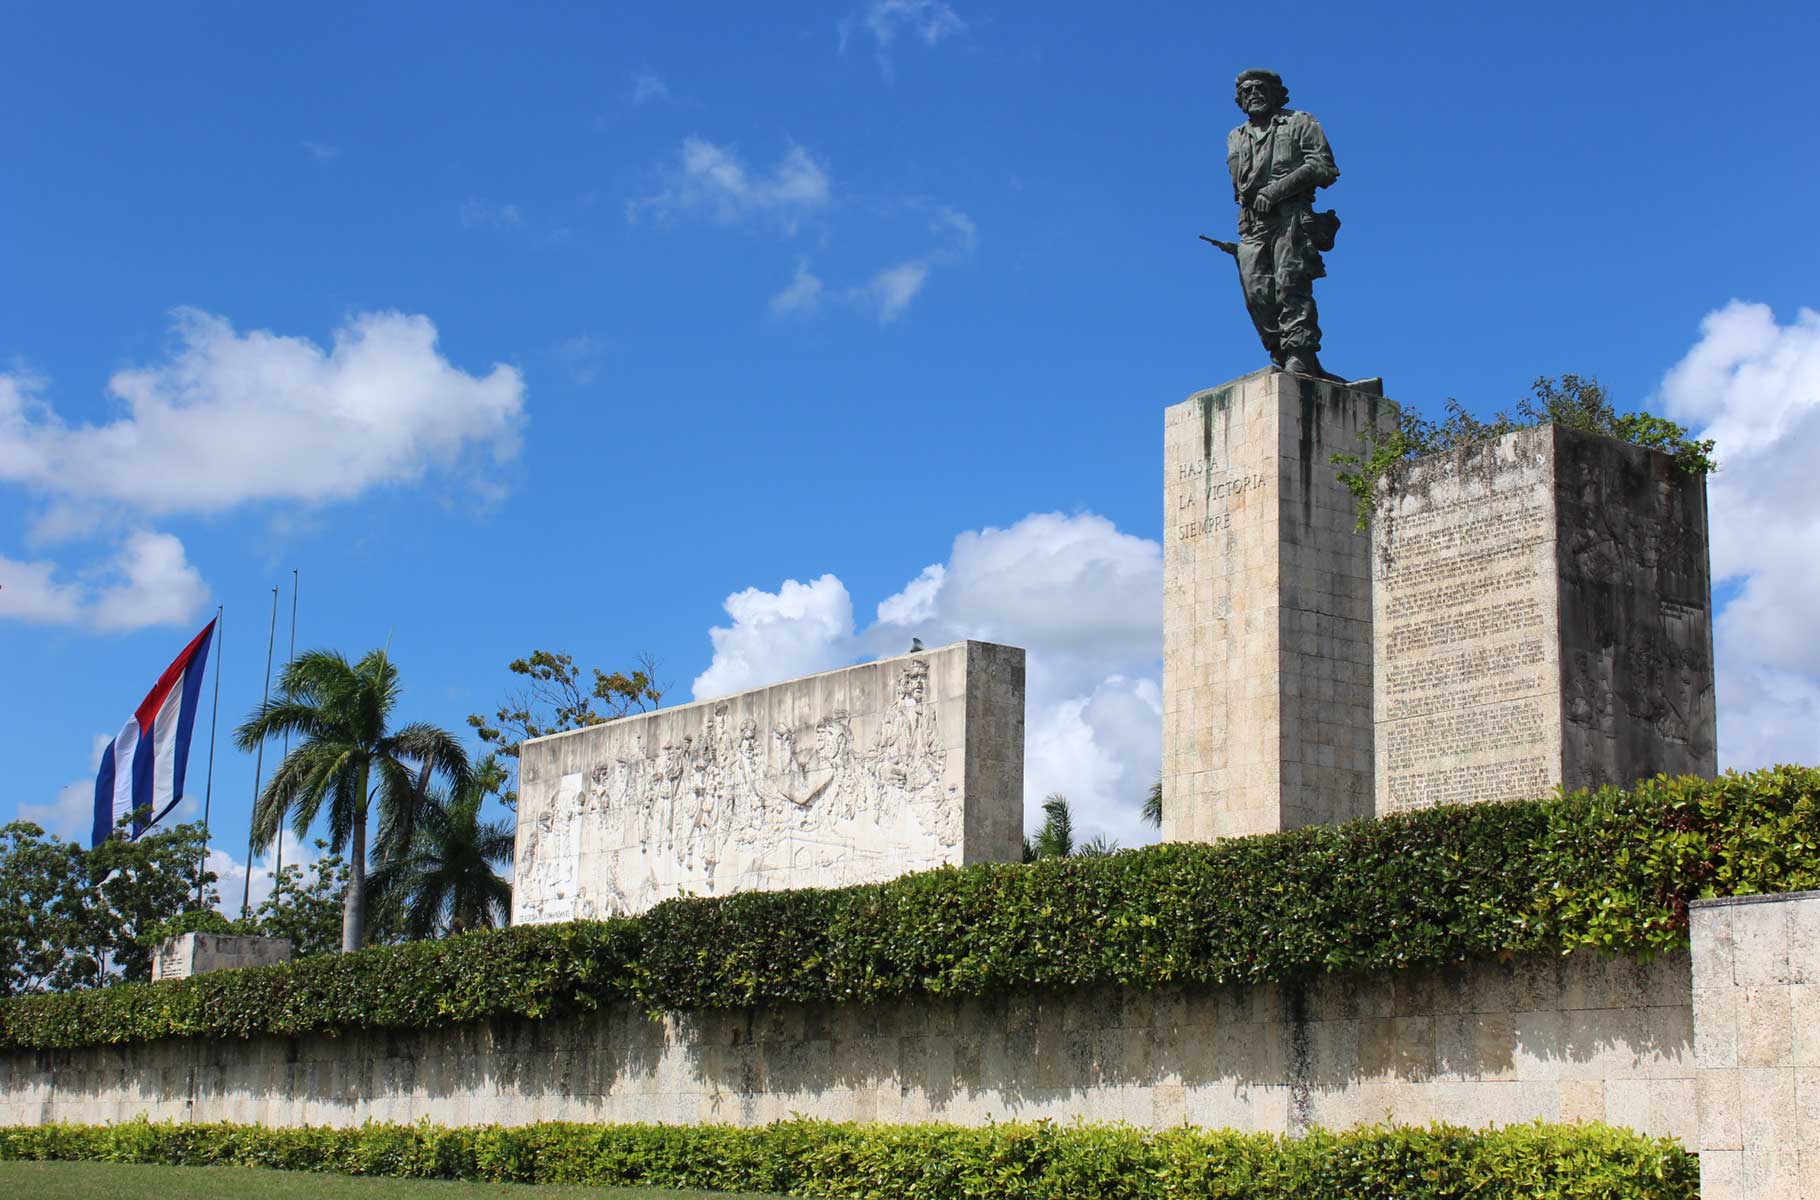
[{"x": 1231, "y": 248}]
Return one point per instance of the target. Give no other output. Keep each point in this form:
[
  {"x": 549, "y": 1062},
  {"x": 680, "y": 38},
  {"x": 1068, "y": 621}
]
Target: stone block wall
[
  {"x": 850, "y": 776},
  {"x": 1267, "y": 713},
  {"x": 1756, "y": 980},
  {"x": 1562, "y": 1039}
]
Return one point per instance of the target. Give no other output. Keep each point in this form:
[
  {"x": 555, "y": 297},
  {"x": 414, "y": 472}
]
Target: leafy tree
[
  {"x": 556, "y": 699},
  {"x": 305, "y": 913},
  {"x": 1573, "y": 401},
  {"x": 76, "y": 918},
  {"x": 348, "y": 757},
  {"x": 1153, "y": 803},
  {"x": 443, "y": 879}
]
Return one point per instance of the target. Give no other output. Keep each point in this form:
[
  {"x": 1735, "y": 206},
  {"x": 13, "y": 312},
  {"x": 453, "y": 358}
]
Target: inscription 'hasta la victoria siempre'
[{"x": 722, "y": 810}]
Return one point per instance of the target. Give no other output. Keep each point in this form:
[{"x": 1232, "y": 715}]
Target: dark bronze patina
[{"x": 1278, "y": 157}]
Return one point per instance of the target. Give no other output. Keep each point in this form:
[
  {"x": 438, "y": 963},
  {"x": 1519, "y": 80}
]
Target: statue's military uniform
[{"x": 1280, "y": 251}]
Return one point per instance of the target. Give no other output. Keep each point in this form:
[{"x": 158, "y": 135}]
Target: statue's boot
[{"x": 1304, "y": 362}]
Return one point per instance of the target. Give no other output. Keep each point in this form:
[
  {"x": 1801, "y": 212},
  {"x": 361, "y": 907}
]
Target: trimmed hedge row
[
  {"x": 1613, "y": 869},
  {"x": 936, "y": 1162}
]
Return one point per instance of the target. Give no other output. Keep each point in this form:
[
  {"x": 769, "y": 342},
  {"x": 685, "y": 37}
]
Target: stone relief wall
[
  {"x": 1466, "y": 674},
  {"x": 849, "y": 777},
  {"x": 1636, "y": 614}
]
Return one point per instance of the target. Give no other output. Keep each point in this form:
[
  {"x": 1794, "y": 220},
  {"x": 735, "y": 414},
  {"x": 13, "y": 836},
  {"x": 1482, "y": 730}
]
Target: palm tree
[
  {"x": 1153, "y": 802},
  {"x": 443, "y": 878},
  {"x": 341, "y": 713}
]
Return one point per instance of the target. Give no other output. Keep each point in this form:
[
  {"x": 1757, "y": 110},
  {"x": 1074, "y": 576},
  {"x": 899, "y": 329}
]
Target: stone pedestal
[
  {"x": 1756, "y": 978},
  {"x": 1267, "y": 715},
  {"x": 198, "y": 953},
  {"x": 1542, "y": 614}
]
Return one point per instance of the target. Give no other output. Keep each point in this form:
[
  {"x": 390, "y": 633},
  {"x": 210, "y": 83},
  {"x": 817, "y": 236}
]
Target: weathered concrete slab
[
  {"x": 197, "y": 953},
  {"x": 1542, "y": 616},
  {"x": 1267, "y": 711},
  {"x": 853, "y": 776},
  {"x": 1756, "y": 990}
]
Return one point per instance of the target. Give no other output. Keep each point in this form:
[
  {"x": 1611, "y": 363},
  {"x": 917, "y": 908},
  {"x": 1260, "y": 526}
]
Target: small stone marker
[
  {"x": 1267, "y": 714},
  {"x": 1543, "y": 617},
  {"x": 199, "y": 953},
  {"x": 853, "y": 776}
]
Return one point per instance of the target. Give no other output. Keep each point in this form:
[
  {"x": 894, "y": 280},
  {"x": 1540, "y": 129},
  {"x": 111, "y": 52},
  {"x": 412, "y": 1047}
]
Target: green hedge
[
  {"x": 937, "y": 1162},
  {"x": 1613, "y": 869}
]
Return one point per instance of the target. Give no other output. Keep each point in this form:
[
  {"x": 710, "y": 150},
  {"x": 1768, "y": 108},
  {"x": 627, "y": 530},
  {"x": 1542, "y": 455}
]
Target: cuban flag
[{"x": 142, "y": 768}]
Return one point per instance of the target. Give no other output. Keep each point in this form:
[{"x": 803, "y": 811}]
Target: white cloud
[
  {"x": 70, "y": 816},
  {"x": 1081, "y": 597},
  {"x": 803, "y": 295},
  {"x": 322, "y": 152},
  {"x": 797, "y": 630},
  {"x": 714, "y": 182},
  {"x": 148, "y": 582},
  {"x": 1753, "y": 385},
  {"x": 232, "y": 418},
  {"x": 927, "y": 21},
  {"x": 890, "y": 291},
  {"x": 157, "y": 586},
  {"x": 648, "y": 86},
  {"x": 231, "y": 872},
  {"x": 30, "y": 592},
  {"x": 583, "y": 355},
  {"x": 479, "y": 214}
]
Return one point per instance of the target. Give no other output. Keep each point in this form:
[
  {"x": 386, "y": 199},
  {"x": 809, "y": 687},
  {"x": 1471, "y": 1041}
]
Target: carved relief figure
[{"x": 727, "y": 806}]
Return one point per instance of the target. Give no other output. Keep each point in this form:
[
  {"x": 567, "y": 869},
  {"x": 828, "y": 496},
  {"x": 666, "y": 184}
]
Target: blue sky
[{"x": 597, "y": 329}]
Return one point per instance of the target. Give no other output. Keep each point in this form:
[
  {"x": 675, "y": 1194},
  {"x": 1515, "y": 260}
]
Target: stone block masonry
[
  {"x": 1267, "y": 709},
  {"x": 853, "y": 776},
  {"x": 1756, "y": 981},
  {"x": 1542, "y": 616},
  {"x": 1585, "y": 1037}
]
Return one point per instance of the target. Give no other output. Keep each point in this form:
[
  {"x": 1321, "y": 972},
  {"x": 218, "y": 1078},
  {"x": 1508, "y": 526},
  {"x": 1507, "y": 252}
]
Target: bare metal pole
[
  {"x": 290, "y": 657},
  {"x": 208, "y": 787},
  {"x": 271, "y": 637}
]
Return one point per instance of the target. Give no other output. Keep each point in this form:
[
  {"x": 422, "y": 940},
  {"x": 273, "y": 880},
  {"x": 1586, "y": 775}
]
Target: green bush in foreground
[
  {"x": 1612, "y": 869},
  {"x": 936, "y": 1162}
]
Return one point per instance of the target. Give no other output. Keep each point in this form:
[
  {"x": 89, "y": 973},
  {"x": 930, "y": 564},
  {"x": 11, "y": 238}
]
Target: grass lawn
[{"x": 126, "y": 1181}]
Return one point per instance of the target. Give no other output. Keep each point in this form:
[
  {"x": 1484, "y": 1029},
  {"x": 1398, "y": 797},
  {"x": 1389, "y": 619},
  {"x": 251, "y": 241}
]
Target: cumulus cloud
[
  {"x": 797, "y": 630},
  {"x": 235, "y": 417},
  {"x": 713, "y": 182},
  {"x": 231, "y": 873},
  {"x": 1081, "y": 597},
  {"x": 803, "y": 295},
  {"x": 1753, "y": 385},
  {"x": 149, "y": 581}
]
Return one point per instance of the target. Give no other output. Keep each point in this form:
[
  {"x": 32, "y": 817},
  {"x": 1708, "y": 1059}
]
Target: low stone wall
[
  {"x": 1579, "y": 1038},
  {"x": 1756, "y": 979}
]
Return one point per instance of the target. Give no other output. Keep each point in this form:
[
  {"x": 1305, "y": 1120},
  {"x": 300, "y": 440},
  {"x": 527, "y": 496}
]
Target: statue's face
[{"x": 1256, "y": 96}]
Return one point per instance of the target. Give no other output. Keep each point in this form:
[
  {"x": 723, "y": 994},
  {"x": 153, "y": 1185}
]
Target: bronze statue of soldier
[{"x": 1278, "y": 157}]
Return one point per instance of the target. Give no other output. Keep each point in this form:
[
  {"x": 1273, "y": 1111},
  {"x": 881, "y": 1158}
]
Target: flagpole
[
  {"x": 208, "y": 787},
  {"x": 271, "y": 637},
  {"x": 278, "y": 869}
]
